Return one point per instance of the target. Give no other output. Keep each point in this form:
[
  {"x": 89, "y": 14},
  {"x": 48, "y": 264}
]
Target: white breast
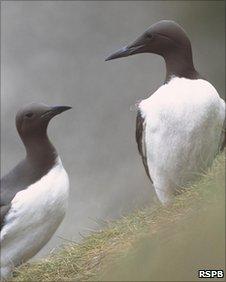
[
  {"x": 34, "y": 216},
  {"x": 184, "y": 121}
]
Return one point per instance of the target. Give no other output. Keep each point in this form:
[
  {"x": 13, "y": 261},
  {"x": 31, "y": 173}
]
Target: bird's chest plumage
[
  {"x": 35, "y": 214},
  {"x": 183, "y": 119}
]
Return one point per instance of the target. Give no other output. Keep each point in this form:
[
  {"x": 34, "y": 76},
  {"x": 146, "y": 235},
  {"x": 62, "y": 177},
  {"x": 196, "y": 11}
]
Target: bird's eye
[
  {"x": 29, "y": 115},
  {"x": 149, "y": 35}
]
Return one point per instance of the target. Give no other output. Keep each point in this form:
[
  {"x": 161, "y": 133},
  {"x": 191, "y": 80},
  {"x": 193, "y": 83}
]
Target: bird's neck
[
  {"x": 180, "y": 64},
  {"x": 40, "y": 151}
]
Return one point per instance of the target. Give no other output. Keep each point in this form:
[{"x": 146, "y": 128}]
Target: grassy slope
[{"x": 160, "y": 244}]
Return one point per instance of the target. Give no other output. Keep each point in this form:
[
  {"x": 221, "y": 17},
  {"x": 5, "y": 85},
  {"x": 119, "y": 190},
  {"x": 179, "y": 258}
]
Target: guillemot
[
  {"x": 179, "y": 128},
  {"x": 34, "y": 194}
]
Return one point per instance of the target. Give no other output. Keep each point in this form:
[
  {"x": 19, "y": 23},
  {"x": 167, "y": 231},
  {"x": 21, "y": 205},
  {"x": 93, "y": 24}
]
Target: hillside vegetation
[{"x": 152, "y": 244}]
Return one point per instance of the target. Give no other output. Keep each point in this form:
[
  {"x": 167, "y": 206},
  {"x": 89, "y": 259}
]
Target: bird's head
[
  {"x": 33, "y": 119},
  {"x": 162, "y": 38}
]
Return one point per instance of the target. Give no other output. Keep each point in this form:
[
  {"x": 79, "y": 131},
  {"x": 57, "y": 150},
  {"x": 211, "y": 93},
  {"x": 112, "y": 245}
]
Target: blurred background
[{"x": 53, "y": 52}]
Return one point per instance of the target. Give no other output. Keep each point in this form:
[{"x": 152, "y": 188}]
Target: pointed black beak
[
  {"x": 53, "y": 111},
  {"x": 125, "y": 52},
  {"x": 59, "y": 109}
]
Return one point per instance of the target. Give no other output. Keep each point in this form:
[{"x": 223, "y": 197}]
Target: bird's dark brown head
[
  {"x": 161, "y": 38},
  {"x": 167, "y": 39},
  {"x": 33, "y": 119}
]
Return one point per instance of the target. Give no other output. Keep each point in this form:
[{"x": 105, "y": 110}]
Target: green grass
[{"x": 158, "y": 244}]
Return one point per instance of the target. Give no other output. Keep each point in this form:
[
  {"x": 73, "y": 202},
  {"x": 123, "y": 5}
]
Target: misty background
[{"x": 53, "y": 52}]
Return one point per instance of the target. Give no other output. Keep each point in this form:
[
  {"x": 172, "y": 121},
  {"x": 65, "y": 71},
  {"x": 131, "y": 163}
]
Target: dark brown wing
[{"x": 140, "y": 138}]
